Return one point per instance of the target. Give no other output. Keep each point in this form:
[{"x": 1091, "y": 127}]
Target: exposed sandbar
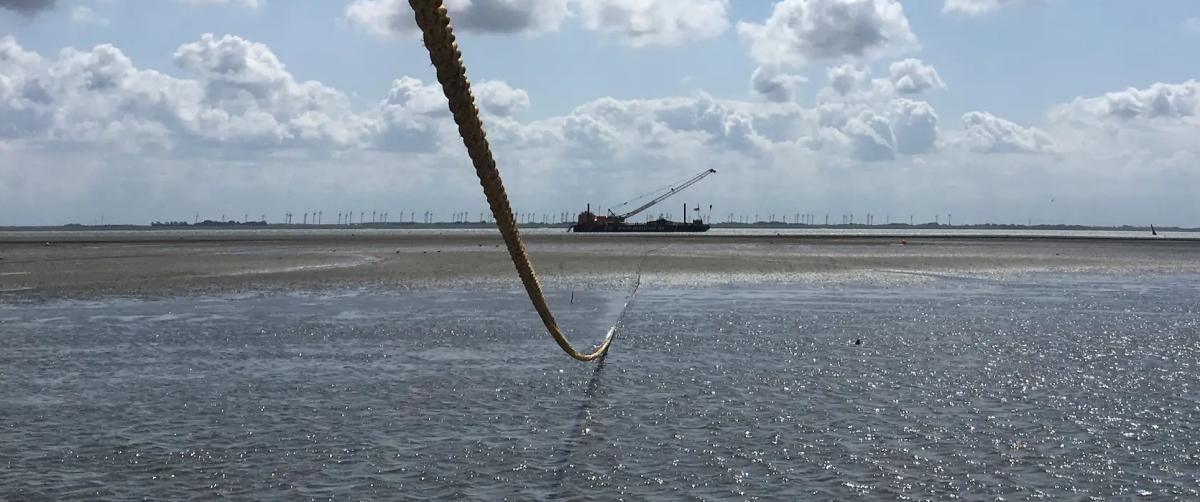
[{"x": 151, "y": 263}]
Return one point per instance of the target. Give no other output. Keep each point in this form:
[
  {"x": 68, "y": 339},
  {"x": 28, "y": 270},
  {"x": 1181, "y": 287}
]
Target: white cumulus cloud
[
  {"x": 912, "y": 76},
  {"x": 247, "y": 93},
  {"x": 499, "y": 98},
  {"x": 395, "y": 17},
  {"x": 591, "y": 135},
  {"x": 848, "y": 78},
  {"x": 849, "y": 82},
  {"x": 407, "y": 119},
  {"x": 83, "y": 14},
  {"x": 1158, "y": 101},
  {"x": 915, "y": 125},
  {"x": 871, "y": 137},
  {"x": 987, "y": 133},
  {"x": 25, "y": 105},
  {"x": 978, "y": 7},
  {"x": 775, "y": 86},
  {"x": 877, "y": 131},
  {"x": 639, "y": 23},
  {"x": 237, "y": 97},
  {"x": 1159, "y": 121},
  {"x": 802, "y": 31}
]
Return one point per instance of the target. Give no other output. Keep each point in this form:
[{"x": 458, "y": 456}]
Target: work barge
[{"x": 589, "y": 222}]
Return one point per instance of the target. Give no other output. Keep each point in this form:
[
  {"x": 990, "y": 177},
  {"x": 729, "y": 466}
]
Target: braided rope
[{"x": 452, "y": 74}]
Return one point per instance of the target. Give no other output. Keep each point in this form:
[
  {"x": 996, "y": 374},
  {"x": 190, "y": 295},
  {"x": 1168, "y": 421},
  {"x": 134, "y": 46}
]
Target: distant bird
[{"x": 858, "y": 341}]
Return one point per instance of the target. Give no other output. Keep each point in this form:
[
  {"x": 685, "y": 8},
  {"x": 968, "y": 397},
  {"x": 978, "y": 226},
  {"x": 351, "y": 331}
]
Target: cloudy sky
[{"x": 993, "y": 110}]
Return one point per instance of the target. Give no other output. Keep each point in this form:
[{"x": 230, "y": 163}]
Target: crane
[
  {"x": 613, "y": 222},
  {"x": 670, "y": 191}
]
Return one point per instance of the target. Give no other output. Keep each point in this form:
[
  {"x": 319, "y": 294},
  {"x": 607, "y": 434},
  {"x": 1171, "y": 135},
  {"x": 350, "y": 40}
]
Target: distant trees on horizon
[{"x": 206, "y": 223}]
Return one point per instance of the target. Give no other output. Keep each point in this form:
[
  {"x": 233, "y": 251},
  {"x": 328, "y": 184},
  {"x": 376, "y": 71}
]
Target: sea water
[{"x": 1065, "y": 386}]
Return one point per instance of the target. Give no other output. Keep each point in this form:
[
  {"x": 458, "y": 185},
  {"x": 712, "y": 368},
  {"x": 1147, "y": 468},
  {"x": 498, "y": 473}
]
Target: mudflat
[
  {"x": 410, "y": 362},
  {"x": 71, "y": 265}
]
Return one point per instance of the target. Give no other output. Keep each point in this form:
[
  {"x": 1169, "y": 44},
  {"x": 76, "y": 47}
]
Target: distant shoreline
[{"x": 486, "y": 225}]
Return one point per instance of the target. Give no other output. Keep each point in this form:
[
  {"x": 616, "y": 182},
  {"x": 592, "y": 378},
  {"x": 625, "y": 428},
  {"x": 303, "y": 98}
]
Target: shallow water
[
  {"x": 334, "y": 232},
  {"x": 1060, "y": 386}
]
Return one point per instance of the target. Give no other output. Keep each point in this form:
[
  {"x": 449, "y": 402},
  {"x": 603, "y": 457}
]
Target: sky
[{"x": 1004, "y": 111}]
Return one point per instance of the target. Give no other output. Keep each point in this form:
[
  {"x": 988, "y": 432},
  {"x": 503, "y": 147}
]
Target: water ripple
[{"x": 1063, "y": 386}]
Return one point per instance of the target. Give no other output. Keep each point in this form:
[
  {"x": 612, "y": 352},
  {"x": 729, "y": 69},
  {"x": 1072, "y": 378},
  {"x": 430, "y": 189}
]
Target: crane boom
[{"x": 664, "y": 196}]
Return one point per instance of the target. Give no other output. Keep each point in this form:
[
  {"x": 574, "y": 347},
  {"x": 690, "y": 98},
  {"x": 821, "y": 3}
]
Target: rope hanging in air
[{"x": 452, "y": 74}]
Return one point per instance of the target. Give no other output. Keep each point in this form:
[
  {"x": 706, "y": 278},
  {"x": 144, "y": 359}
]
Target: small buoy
[
  {"x": 47, "y": 243},
  {"x": 903, "y": 243}
]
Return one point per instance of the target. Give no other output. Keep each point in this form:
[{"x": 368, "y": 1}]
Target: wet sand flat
[
  {"x": 151, "y": 263},
  {"x": 409, "y": 364},
  {"x": 1062, "y": 386}
]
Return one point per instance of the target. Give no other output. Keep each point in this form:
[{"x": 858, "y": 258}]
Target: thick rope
[{"x": 443, "y": 52}]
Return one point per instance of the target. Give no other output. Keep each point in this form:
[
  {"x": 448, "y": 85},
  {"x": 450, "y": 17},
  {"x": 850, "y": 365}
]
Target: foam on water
[{"x": 1060, "y": 386}]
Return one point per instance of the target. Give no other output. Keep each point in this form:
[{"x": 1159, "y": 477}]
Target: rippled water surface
[{"x": 1063, "y": 386}]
